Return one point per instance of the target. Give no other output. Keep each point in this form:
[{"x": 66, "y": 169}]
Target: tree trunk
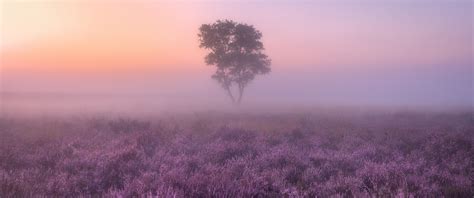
[
  {"x": 241, "y": 92},
  {"x": 230, "y": 94}
]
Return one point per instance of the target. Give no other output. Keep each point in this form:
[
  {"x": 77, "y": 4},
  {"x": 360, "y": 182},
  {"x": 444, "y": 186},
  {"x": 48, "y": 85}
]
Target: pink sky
[
  {"x": 87, "y": 35},
  {"x": 50, "y": 42}
]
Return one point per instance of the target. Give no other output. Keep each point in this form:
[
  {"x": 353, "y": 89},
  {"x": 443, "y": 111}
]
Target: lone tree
[{"x": 236, "y": 51}]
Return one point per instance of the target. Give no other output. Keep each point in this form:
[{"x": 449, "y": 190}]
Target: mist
[
  {"x": 145, "y": 55},
  {"x": 236, "y": 98},
  {"x": 418, "y": 88}
]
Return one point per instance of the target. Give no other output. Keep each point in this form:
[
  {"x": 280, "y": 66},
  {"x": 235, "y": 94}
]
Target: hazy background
[{"x": 143, "y": 55}]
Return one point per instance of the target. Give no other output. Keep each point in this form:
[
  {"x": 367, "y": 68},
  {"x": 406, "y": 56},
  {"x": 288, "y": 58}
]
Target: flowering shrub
[{"x": 285, "y": 155}]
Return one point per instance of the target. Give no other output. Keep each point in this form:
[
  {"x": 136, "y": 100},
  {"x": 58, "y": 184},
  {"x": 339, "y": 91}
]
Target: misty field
[{"x": 239, "y": 155}]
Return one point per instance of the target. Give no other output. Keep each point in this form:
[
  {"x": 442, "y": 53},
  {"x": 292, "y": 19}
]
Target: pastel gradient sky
[{"x": 403, "y": 51}]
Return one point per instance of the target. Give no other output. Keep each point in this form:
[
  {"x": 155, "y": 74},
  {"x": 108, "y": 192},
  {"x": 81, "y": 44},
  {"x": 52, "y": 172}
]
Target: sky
[{"x": 354, "y": 52}]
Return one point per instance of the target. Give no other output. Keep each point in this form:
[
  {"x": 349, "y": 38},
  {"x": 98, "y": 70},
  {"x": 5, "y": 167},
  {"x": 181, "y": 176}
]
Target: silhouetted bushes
[{"x": 127, "y": 125}]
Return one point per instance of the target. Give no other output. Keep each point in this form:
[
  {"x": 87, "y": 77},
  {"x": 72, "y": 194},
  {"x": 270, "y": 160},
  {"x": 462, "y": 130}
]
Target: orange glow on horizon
[
  {"x": 95, "y": 37},
  {"x": 110, "y": 36}
]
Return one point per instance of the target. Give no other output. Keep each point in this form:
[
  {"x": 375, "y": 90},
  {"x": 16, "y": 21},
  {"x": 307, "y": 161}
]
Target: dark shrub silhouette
[{"x": 126, "y": 125}]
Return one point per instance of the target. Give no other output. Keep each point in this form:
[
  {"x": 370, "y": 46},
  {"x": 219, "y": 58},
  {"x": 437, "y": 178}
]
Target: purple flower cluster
[{"x": 240, "y": 155}]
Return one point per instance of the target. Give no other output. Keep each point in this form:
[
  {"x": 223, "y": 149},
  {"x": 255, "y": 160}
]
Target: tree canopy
[{"x": 237, "y": 52}]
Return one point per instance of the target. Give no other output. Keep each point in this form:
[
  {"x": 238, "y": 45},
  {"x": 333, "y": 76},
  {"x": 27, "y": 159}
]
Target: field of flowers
[{"x": 239, "y": 155}]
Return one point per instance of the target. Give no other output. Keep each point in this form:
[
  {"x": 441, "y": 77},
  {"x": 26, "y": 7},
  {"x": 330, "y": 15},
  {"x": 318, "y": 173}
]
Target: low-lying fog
[{"x": 434, "y": 88}]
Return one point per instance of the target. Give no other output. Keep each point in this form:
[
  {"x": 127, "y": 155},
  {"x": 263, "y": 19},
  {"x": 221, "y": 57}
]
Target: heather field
[{"x": 239, "y": 155}]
